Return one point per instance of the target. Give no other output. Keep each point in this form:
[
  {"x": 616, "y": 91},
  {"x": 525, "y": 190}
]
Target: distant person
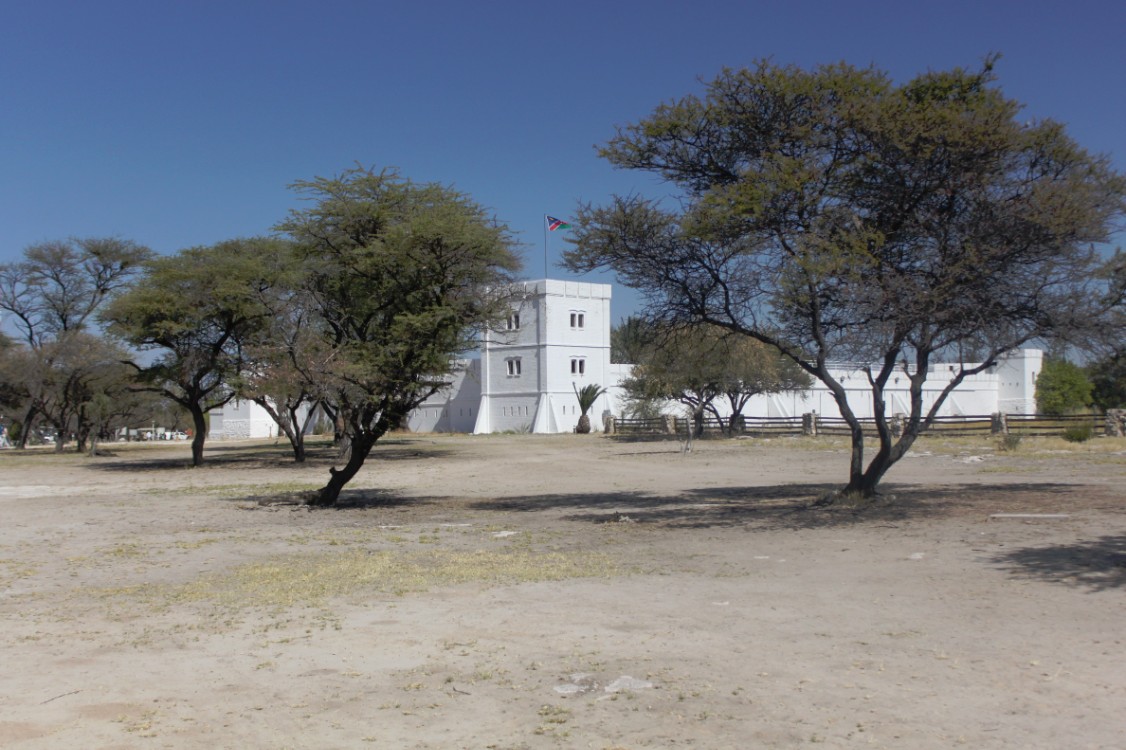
[{"x": 4, "y": 442}]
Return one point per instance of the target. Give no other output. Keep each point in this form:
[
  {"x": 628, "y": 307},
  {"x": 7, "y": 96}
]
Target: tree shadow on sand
[
  {"x": 1098, "y": 564},
  {"x": 756, "y": 508},
  {"x": 278, "y": 456},
  {"x": 775, "y": 507}
]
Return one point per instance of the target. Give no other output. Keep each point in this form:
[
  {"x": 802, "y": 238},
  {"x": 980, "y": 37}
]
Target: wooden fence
[{"x": 810, "y": 424}]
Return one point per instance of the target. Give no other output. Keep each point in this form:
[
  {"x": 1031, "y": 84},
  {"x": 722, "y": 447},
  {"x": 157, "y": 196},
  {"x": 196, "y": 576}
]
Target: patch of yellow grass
[{"x": 314, "y": 580}]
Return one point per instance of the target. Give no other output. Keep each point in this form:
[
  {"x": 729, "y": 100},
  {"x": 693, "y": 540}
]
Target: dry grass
[{"x": 303, "y": 580}]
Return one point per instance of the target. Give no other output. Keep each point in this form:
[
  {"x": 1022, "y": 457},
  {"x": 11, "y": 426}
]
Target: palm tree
[{"x": 587, "y": 395}]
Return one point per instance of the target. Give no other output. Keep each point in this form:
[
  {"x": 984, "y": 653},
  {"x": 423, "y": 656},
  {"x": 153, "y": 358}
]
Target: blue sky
[{"x": 182, "y": 123}]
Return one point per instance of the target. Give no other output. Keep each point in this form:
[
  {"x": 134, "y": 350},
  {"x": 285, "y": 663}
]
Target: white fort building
[{"x": 557, "y": 339}]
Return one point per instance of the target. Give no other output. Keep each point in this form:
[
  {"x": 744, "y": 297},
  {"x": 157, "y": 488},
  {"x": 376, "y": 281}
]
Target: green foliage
[
  {"x": 701, "y": 364},
  {"x": 587, "y": 396},
  {"x": 1062, "y": 388},
  {"x": 842, "y": 217},
  {"x": 1108, "y": 381},
  {"x": 1008, "y": 443},
  {"x": 401, "y": 277},
  {"x": 1078, "y": 433},
  {"x": 197, "y": 310},
  {"x": 11, "y": 394},
  {"x": 629, "y": 340}
]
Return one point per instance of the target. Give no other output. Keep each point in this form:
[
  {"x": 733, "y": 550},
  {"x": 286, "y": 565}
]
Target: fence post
[
  {"x": 999, "y": 423},
  {"x": 670, "y": 424},
  {"x": 609, "y": 424},
  {"x": 809, "y": 424},
  {"x": 1116, "y": 422}
]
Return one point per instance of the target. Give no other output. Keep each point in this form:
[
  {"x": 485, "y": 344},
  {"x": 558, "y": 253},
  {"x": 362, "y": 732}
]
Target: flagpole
[{"x": 545, "y": 246}]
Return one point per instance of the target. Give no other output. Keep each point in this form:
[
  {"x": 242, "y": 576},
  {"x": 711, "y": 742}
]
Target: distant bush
[
  {"x": 1008, "y": 443},
  {"x": 1080, "y": 433},
  {"x": 1061, "y": 388}
]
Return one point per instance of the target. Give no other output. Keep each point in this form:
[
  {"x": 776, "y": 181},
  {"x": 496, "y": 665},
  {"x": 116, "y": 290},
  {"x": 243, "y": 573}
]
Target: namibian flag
[{"x": 554, "y": 223}]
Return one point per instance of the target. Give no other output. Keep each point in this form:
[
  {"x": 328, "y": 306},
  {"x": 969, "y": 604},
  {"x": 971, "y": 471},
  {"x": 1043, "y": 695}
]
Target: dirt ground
[{"x": 522, "y": 591}]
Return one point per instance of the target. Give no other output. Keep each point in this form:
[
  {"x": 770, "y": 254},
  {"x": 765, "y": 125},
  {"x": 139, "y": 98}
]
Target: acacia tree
[
  {"x": 402, "y": 276},
  {"x": 837, "y": 216},
  {"x": 57, "y": 289},
  {"x": 701, "y": 364},
  {"x": 196, "y": 310},
  {"x": 62, "y": 378},
  {"x": 286, "y": 357},
  {"x": 13, "y": 395}
]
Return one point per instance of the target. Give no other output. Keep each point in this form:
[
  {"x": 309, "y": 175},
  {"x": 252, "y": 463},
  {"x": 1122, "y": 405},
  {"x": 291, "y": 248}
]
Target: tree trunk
[
  {"x": 200, "y": 423},
  {"x": 583, "y": 427},
  {"x": 698, "y": 423},
  {"x": 286, "y": 420},
  {"x": 27, "y": 425},
  {"x": 327, "y": 496},
  {"x": 343, "y": 447},
  {"x": 295, "y": 431}
]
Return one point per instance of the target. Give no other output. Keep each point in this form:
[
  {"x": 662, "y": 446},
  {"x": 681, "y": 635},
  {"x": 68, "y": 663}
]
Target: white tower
[{"x": 556, "y": 340}]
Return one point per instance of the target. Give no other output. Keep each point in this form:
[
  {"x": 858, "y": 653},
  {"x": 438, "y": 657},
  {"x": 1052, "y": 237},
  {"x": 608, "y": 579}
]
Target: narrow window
[
  {"x": 513, "y": 322},
  {"x": 578, "y": 319},
  {"x": 513, "y": 367}
]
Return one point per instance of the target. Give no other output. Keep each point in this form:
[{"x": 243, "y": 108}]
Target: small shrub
[
  {"x": 1080, "y": 433},
  {"x": 1008, "y": 443}
]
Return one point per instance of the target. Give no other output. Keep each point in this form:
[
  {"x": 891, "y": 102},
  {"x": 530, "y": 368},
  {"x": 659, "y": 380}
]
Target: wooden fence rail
[{"x": 809, "y": 424}]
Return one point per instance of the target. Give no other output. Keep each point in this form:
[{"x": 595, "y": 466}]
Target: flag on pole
[{"x": 554, "y": 223}]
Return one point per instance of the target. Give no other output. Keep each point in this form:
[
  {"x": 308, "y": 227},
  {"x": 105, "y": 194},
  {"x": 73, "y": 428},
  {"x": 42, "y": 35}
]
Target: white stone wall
[
  {"x": 453, "y": 409},
  {"x": 242, "y": 418},
  {"x": 491, "y": 394}
]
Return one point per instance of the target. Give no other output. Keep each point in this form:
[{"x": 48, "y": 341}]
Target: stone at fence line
[
  {"x": 1116, "y": 422},
  {"x": 609, "y": 423},
  {"x": 670, "y": 424},
  {"x": 809, "y": 424},
  {"x": 896, "y": 425}
]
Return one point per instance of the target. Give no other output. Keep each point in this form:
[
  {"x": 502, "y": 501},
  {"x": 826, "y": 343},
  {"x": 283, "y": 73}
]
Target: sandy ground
[{"x": 564, "y": 592}]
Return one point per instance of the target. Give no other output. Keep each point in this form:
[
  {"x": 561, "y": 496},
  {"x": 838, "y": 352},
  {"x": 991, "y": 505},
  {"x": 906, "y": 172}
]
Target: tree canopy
[
  {"x": 196, "y": 310},
  {"x": 700, "y": 365},
  {"x": 402, "y": 276},
  {"x": 60, "y": 285},
  {"x": 838, "y": 216},
  {"x": 1108, "y": 381},
  {"x": 52, "y": 296},
  {"x": 1062, "y": 387}
]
